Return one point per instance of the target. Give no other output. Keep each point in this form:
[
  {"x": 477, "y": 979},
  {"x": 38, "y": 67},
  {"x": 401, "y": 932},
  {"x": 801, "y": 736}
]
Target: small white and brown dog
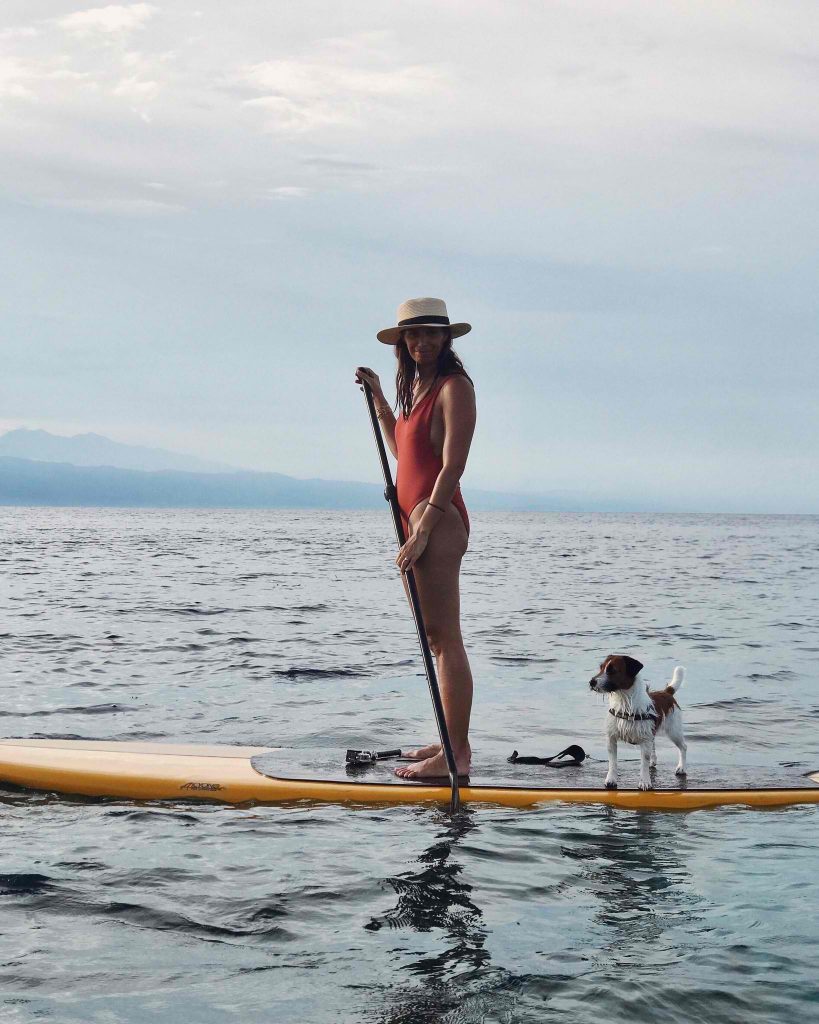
[{"x": 637, "y": 714}]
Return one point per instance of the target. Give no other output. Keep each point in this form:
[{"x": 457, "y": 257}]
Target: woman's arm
[
  {"x": 387, "y": 421},
  {"x": 457, "y": 399},
  {"x": 382, "y": 409}
]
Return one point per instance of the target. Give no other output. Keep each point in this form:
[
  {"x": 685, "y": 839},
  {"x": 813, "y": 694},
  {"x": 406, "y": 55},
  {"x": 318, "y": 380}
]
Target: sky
[{"x": 209, "y": 209}]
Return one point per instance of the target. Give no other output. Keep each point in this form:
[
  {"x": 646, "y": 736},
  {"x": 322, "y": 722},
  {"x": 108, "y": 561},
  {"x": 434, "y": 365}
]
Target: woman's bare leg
[{"x": 437, "y": 574}]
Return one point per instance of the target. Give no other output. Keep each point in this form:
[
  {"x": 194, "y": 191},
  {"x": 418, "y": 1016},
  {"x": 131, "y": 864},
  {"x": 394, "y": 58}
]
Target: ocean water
[{"x": 292, "y": 628}]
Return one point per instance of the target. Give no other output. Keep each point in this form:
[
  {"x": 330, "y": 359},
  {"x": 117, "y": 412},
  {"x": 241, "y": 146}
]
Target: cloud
[
  {"x": 18, "y": 32},
  {"x": 339, "y": 164},
  {"x": 115, "y": 19},
  {"x": 303, "y": 95},
  {"x": 289, "y": 192},
  {"x": 136, "y": 89},
  {"x": 119, "y": 206},
  {"x": 27, "y": 79},
  {"x": 548, "y": 106},
  {"x": 13, "y": 75}
]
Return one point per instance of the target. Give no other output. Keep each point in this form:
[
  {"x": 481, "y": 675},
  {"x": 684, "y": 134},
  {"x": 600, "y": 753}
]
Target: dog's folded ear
[{"x": 632, "y": 664}]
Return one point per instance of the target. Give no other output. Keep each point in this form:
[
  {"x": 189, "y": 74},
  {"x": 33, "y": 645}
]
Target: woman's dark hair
[{"x": 448, "y": 364}]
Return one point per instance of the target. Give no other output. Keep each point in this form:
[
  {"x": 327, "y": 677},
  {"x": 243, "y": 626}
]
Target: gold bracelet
[{"x": 383, "y": 412}]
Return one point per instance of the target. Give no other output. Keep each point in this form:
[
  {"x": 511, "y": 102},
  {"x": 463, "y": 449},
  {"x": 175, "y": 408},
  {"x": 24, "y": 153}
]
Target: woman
[{"x": 431, "y": 438}]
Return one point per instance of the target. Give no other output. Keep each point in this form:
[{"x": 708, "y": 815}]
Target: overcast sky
[{"x": 209, "y": 209}]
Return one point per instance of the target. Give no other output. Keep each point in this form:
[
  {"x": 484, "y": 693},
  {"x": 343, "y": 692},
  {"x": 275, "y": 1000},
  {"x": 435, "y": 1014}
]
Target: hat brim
[{"x": 390, "y": 335}]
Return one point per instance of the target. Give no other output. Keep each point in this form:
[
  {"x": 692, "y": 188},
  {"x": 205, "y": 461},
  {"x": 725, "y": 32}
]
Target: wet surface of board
[{"x": 491, "y": 769}]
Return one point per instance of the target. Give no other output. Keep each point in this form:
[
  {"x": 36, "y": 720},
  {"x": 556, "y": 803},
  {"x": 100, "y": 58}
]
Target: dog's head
[{"x": 617, "y": 672}]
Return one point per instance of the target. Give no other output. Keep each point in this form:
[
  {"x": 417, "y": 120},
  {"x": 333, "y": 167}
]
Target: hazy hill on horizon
[
  {"x": 96, "y": 450},
  {"x": 92, "y": 470},
  {"x": 35, "y": 482},
  {"x": 40, "y": 468}
]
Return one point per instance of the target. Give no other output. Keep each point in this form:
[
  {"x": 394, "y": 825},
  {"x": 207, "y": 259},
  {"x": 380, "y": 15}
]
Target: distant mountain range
[
  {"x": 38, "y": 468},
  {"x": 30, "y": 482},
  {"x": 96, "y": 450}
]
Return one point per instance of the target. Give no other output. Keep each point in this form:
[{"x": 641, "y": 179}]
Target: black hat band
[{"x": 442, "y": 320}]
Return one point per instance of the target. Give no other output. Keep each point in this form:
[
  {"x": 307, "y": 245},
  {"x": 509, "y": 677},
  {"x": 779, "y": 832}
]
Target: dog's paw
[
  {"x": 644, "y": 784},
  {"x": 611, "y": 783},
  {"x": 680, "y": 770}
]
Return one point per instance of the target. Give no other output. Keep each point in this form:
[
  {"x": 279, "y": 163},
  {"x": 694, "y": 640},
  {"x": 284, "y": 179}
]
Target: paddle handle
[{"x": 412, "y": 593}]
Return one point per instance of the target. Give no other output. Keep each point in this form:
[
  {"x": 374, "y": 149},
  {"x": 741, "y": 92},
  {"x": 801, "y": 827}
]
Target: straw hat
[{"x": 421, "y": 313}]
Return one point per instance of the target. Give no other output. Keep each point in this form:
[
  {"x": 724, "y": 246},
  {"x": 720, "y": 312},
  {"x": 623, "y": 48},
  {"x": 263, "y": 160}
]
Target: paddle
[{"x": 412, "y": 593}]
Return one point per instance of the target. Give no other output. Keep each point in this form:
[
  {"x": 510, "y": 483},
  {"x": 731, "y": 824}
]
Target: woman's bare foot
[
  {"x": 435, "y": 767},
  {"x": 422, "y": 753}
]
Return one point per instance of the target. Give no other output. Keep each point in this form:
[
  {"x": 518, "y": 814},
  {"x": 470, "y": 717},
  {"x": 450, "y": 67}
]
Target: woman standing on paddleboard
[{"x": 430, "y": 437}]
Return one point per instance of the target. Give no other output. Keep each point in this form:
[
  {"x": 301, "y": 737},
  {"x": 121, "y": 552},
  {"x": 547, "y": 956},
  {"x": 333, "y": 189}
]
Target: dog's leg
[
  {"x": 645, "y": 758},
  {"x": 653, "y": 759},
  {"x": 674, "y": 730},
  {"x": 611, "y": 778},
  {"x": 681, "y": 768}
]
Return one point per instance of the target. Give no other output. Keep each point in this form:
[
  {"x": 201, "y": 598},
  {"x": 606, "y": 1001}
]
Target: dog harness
[{"x": 633, "y": 717}]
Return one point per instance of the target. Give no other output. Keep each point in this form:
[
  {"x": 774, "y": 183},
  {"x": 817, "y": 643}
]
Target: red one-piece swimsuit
[{"x": 418, "y": 465}]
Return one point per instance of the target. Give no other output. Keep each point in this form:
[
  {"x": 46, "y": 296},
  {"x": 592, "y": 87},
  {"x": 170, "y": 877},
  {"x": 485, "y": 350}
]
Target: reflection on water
[
  {"x": 633, "y": 869},
  {"x": 436, "y": 897},
  {"x": 630, "y": 870}
]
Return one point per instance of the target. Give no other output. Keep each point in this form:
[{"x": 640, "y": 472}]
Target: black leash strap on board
[
  {"x": 576, "y": 756},
  {"x": 412, "y": 594}
]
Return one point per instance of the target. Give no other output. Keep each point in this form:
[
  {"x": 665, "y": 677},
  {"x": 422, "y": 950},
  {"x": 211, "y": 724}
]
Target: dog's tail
[{"x": 677, "y": 680}]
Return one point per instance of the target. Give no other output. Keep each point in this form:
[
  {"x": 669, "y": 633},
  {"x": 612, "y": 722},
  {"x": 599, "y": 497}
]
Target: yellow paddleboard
[{"x": 159, "y": 771}]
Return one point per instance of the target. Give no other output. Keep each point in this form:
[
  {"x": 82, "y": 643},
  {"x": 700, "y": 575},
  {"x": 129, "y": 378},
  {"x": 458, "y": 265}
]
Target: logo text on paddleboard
[{"x": 208, "y": 787}]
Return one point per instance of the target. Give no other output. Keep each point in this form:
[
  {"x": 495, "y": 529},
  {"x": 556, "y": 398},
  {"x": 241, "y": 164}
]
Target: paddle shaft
[{"x": 412, "y": 594}]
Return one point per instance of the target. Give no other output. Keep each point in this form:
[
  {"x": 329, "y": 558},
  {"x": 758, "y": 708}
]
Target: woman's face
[{"x": 424, "y": 343}]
